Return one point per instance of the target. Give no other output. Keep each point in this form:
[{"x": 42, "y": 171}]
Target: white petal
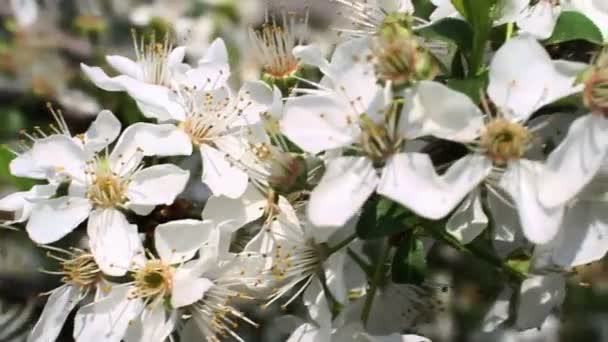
[
  {"x": 539, "y": 296},
  {"x": 152, "y": 325},
  {"x": 146, "y": 139},
  {"x": 510, "y": 11},
  {"x": 222, "y": 177},
  {"x": 21, "y": 203},
  {"x": 25, "y": 166},
  {"x": 469, "y": 220},
  {"x": 158, "y": 99},
  {"x": 334, "y": 275},
  {"x": 411, "y": 180},
  {"x": 539, "y": 20},
  {"x": 583, "y": 235},
  {"x": 349, "y": 62},
  {"x": 60, "y": 154},
  {"x": 103, "y": 131},
  {"x": 255, "y": 98},
  {"x": 102, "y": 80},
  {"x": 575, "y": 161},
  {"x": 158, "y": 184},
  {"x": 499, "y": 312},
  {"x": 56, "y": 310},
  {"x": 178, "y": 241},
  {"x": 53, "y": 219},
  {"x": 216, "y": 53},
  {"x": 318, "y": 123},
  {"x": 187, "y": 289},
  {"x": 125, "y": 66},
  {"x": 113, "y": 241},
  {"x": 455, "y": 117},
  {"x": 521, "y": 91},
  {"x": 345, "y": 186},
  {"x": 107, "y": 319},
  {"x": 305, "y": 333},
  {"x": 444, "y": 9},
  {"x": 237, "y": 212},
  {"x": 176, "y": 57},
  {"x": 540, "y": 224},
  {"x": 312, "y": 55}
]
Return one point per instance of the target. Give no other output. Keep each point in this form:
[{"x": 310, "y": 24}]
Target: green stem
[
  {"x": 335, "y": 306},
  {"x": 510, "y": 29},
  {"x": 479, "y": 253},
  {"x": 365, "y": 267},
  {"x": 378, "y": 272},
  {"x": 333, "y": 249}
]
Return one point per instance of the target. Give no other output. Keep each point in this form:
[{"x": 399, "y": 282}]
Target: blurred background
[{"x": 42, "y": 44}]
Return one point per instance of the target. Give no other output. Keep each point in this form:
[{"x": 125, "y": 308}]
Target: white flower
[
  {"x": 81, "y": 276},
  {"x": 103, "y": 184},
  {"x": 273, "y": 44},
  {"x": 153, "y": 78},
  {"x": 300, "y": 256},
  {"x": 503, "y": 140},
  {"x": 344, "y": 329},
  {"x": 355, "y": 114},
  {"x": 137, "y": 308}
]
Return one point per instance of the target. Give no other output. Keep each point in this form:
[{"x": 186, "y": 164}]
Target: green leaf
[
  {"x": 382, "y": 217},
  {"x": 575, "y": 26},
  {"x": 5, "y": 176},
  {"x": 472, "y": 87},
  {"x": 455, "y": 30},
  {"x": 409, "y": 263},
  {"x": 423, "y": 8},
  {"x": 480, "y": 15}
]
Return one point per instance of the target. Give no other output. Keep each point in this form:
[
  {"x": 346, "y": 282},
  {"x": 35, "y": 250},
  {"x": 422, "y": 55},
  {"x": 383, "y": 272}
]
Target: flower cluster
[{"x": 304, "y": 172}]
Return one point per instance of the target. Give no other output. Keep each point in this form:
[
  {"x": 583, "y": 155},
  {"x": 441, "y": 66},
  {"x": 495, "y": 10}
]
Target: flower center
[
  {"x": 398, "y": 54},
  {"x": 153, "y": 56},
  {"x": 504, "y": 140},
  {"x": 216, "y": 315},
  {"x": 81, "y": 271},
  {"x": 198, "y": 130},
  {"x": 282, "y": 171},
  {"x": 295, "y": 265},
  {"x": 596, "y": 87},
  {"x": 106, "y": 189},
  {"x": 273, "y": 44},
  {"x": 377, "y": 141},
  {"x": 152, "y": 282}
]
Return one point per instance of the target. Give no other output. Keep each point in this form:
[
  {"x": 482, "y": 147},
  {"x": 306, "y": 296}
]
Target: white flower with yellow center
[
  {"x": 103, "y": 184},
  {"x": 214, "y": 120},
  {"x": 153, "y": 77},
  {"x": 80, "y": 276},
  {"x": 147, "y": 306},
  {"x": 499, "y": 144},
  {"x": 274, "y": 42},
  {"x": 350, "y": 111}
]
